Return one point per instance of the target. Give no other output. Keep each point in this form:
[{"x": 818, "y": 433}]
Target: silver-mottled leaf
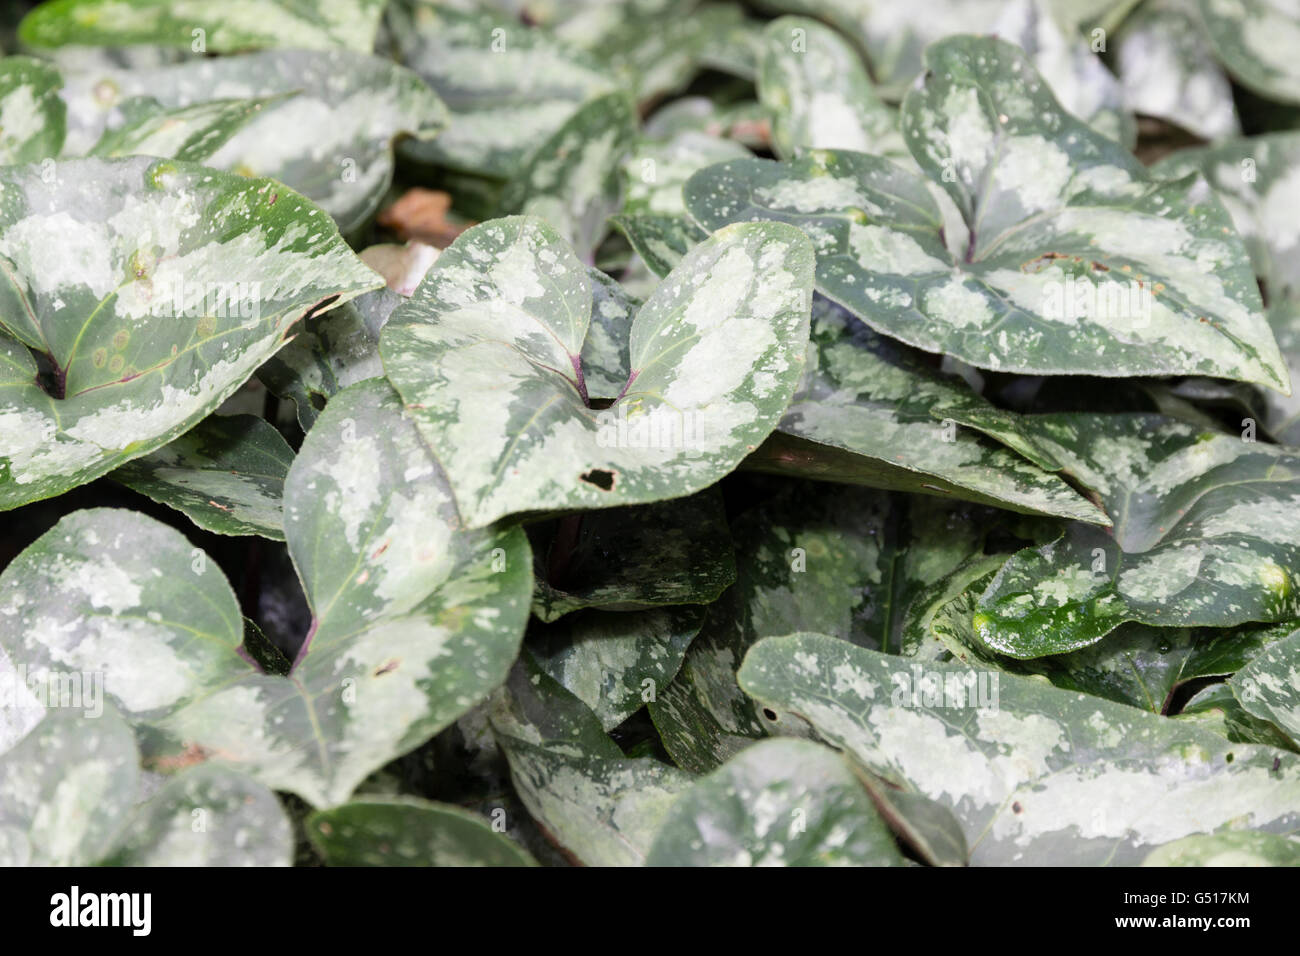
[
  {"x": 65, "y": 788},
  {"x": 870, "y": 411},
  {"x": 206, "y": 816},
  {"x": 486, "y": 356},
  {"x": 68, "y": 796},
  {"x": 572, "y": 179},
  {"x": 615, "y": 663},
  {"x": 652, "y": 47},
  {"x": 1205, "y": 534},
  {"x": 1217, "y": 709},
  {"x": 153, "y": 289},
  {"x": 1258, "y": 180},
  {"x": 816, "y": 90},
  {"x": 653, "y": 215},
  {"x": 222, "y": 28},
  {"x": 779, "y": 803},
  {"x": 1136, "y": 664},
  {"x": 1233, "y": 848},
  {"x": 1167, "y": 69},
  {"x": 1077, "y": 261},
  {"x": 602, "y": 808},
  {"x": 226, "y": 474},
  {"x": 1269, "y": 686},
  {"x": 33, "y": 120},
  {"x": 477, "y": 62},
  {"x": 415, "y": 620},
  {"x": 895, "y": 34},
  {"x": 1035, "y": 774},
  {"x": 331, "y": 141},
  {"x": 190, "y": 133},
  {"x": 1258, "y": 42},
  {"x": 1082, "y": 84}
]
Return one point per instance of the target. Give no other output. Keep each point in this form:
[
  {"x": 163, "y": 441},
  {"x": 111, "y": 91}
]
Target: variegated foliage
[
  {"x": 414, "y": 619},
  {"x": 1077, "y": 261},
  {"x": 1034, "y": 774},
  {"x": 130, "y": 316},
  {"x": 488, "y": 358}
]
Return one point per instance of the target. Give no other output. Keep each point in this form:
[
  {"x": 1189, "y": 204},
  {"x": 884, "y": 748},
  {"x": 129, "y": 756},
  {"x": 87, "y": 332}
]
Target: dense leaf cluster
[{"x": 670, "y": 432}]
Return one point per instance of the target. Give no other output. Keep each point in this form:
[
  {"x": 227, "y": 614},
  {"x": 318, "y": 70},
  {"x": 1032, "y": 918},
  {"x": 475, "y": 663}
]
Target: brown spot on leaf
[{"x": 193, "y": 754}]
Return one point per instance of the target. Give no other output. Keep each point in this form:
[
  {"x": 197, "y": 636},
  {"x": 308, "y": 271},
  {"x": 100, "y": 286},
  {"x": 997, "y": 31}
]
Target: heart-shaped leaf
[
  {"x": 226, "y": 474},
  {"x": 414, "y": 620},
  {"x": 615, "y": 663},
  {"x": 202, "y": 27},
  {"x": 1258, "y": 42},
  {"x": 871, "y": 412},
  {"x": 1077, "y": 261},
  {"x": 150, "y": 299},
  {"x": 814, "y": 86},
  {"x": 332, "y": 140},
  {"x": 1205, "y": 534},
  {"x": 68, "y": 796},
  {"x": 779, "y": 803},
  {"x": 1044, "y": 774},
  {"x": 486, "y": 357},
  {"x": 404, "y": 831},
  {"x": 33, "y": 120}
]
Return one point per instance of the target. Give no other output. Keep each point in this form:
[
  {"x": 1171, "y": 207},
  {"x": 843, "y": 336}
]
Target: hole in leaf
[
  {"x": 599, "y": 404},
  {"x": 1228, "y": 758},
  {"x": 318, "y": 401},
  {"x": 769, "y": 713},
  {"x": 604, "y": 480}
]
